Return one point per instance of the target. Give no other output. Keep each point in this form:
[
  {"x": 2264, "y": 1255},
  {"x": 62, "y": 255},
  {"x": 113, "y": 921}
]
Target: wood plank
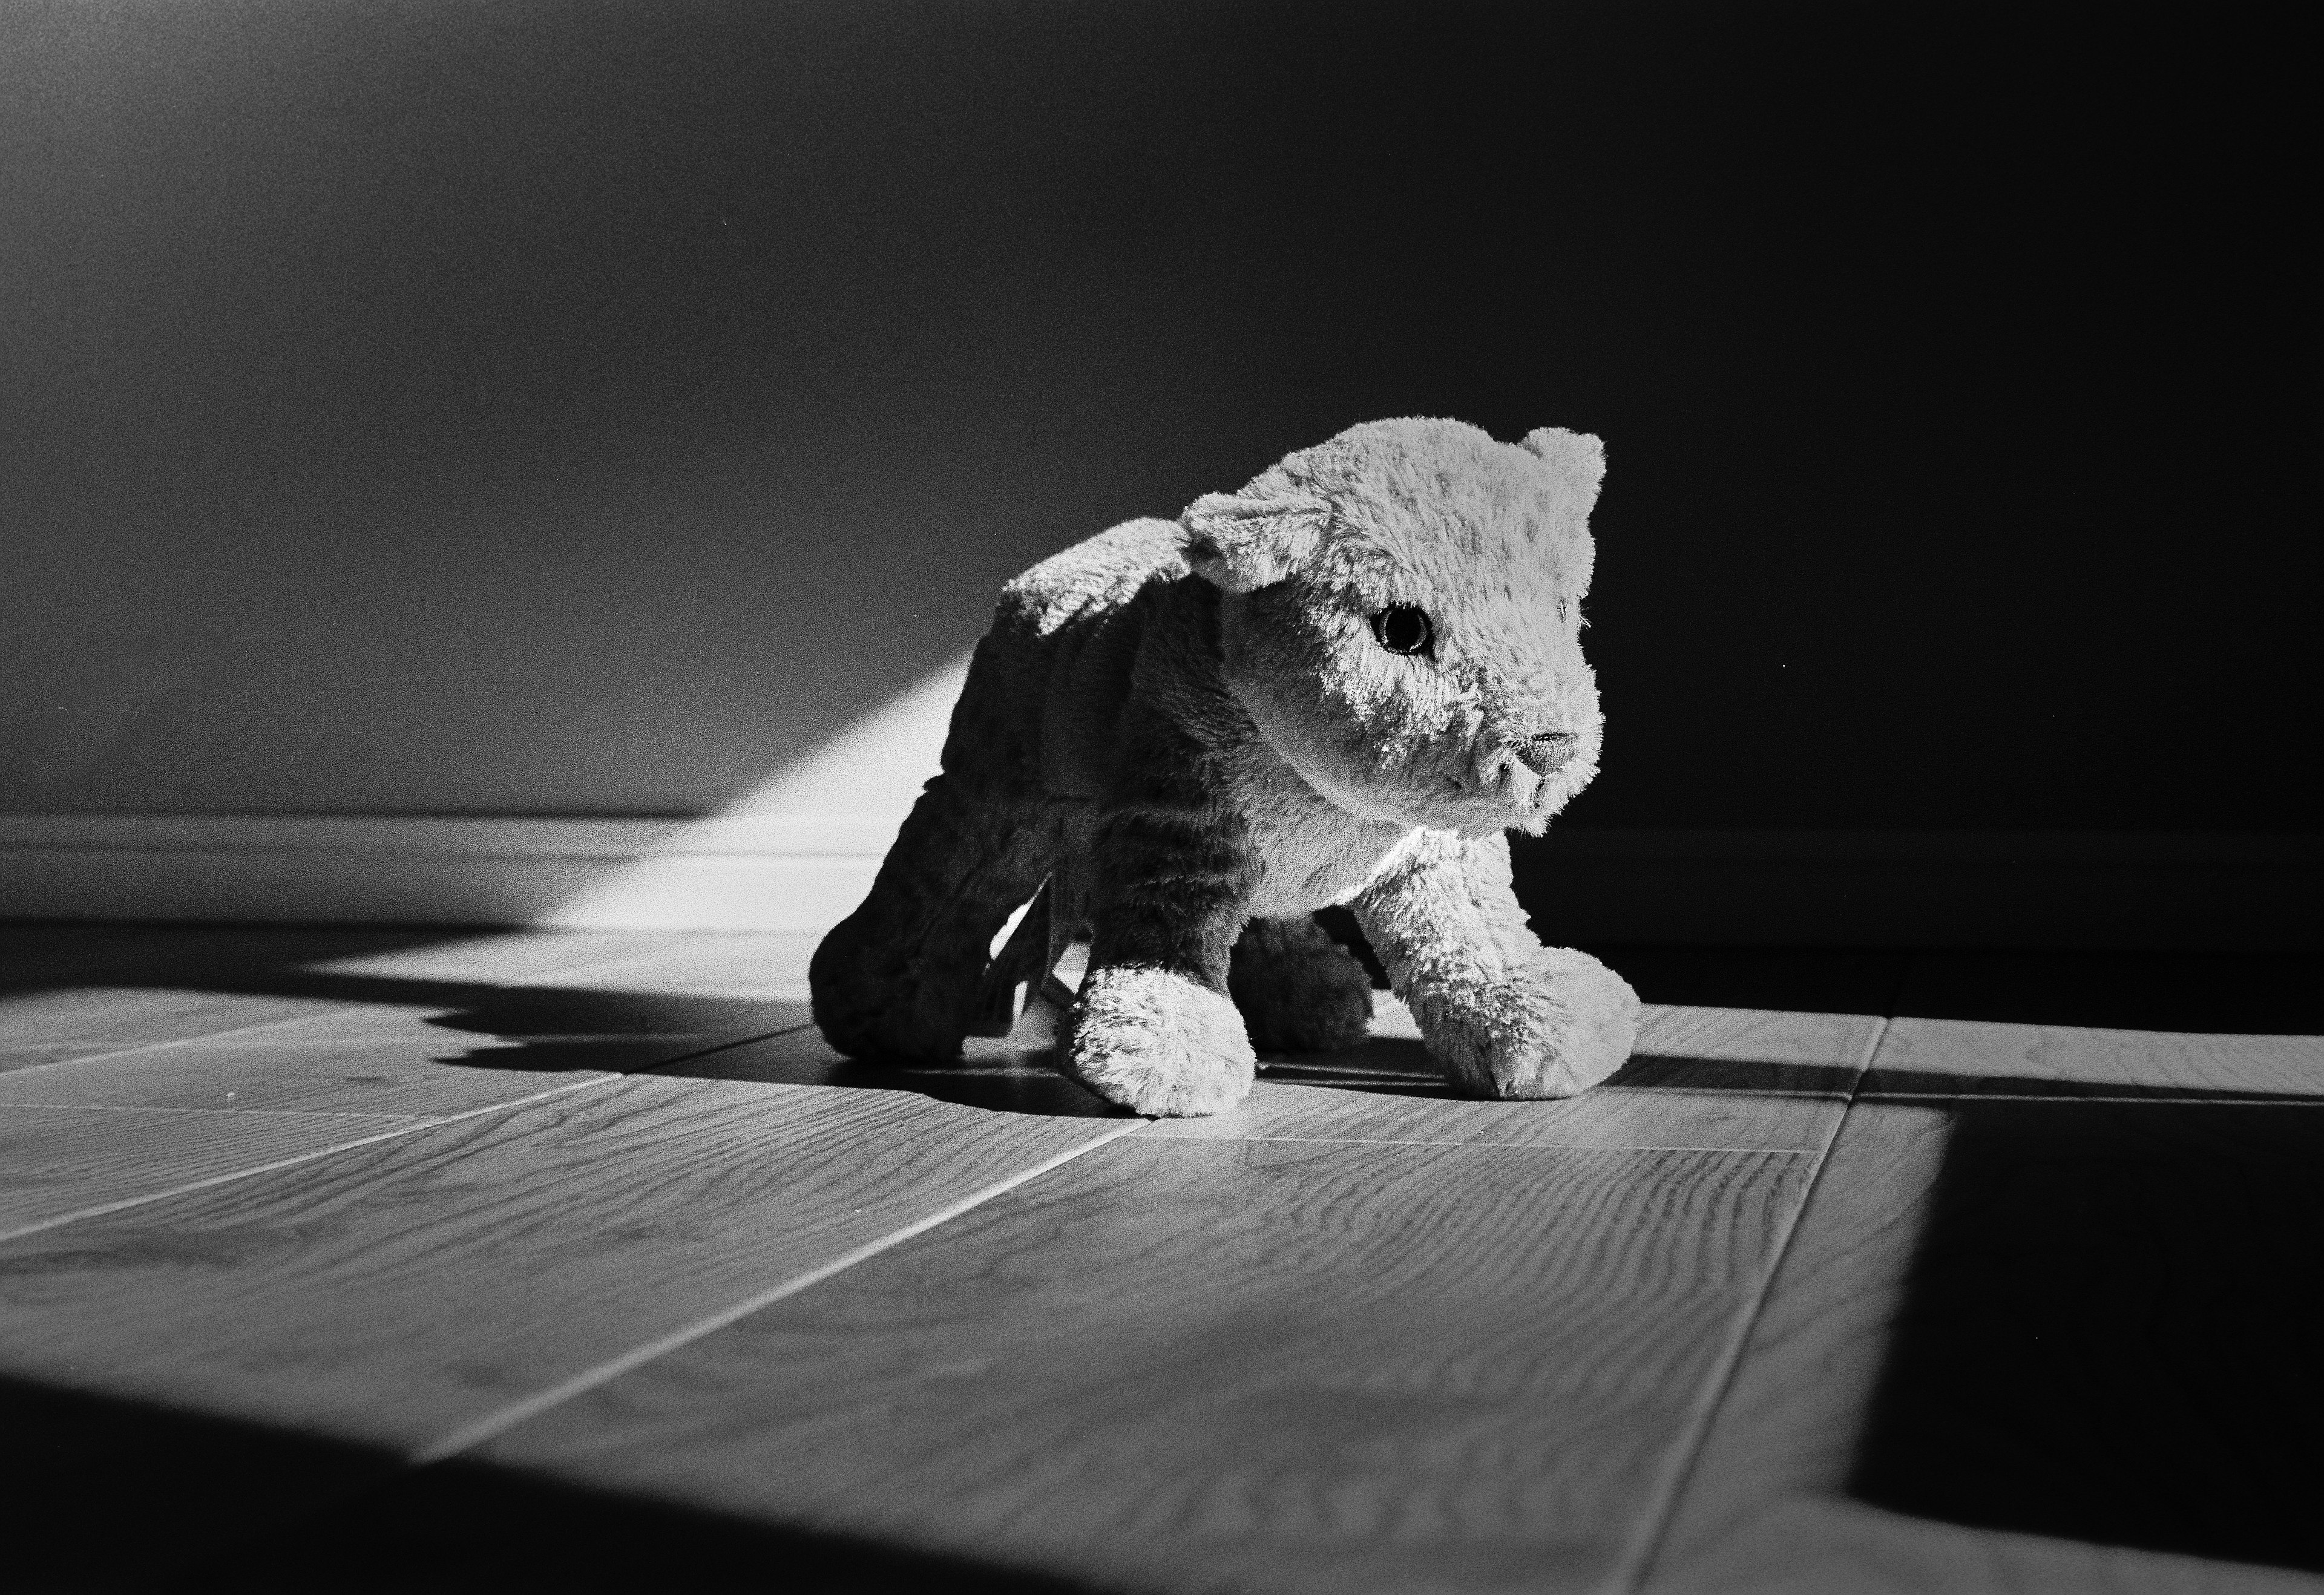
[
  {"x": 394, "y": 1293},
  {"x": 116, "y": 990},
  {"x": 84, "y": 991},
  {"x": 1701, "y": 1078},
  {"x": 56, "y": 1161},
  {"x": 43, "y": 1027},
  {"x": 1940, "y": 1060},
  {"x": 1786, "y": 1426},
  {"x": 369, "y": 1061},
  {"x": 1828, "y": 1543},
  {"x": 2042, "y": 1308},
  {"x": 1183, "y": 1364},
  {"x": 428, "y": 1032},
  {"x": 1008, "y": 1075}
]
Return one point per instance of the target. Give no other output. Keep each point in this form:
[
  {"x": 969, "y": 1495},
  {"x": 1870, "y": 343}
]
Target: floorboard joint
[
  {"x": 1629, "y": 1574},
  {"x": 234, "y": 1113},
  {"x": 201, "y": 1040},
  {"x": 1484, "y": 1143},
  {"x": 508, "y": 1417},
  {"x": 102, "y": 1209}
]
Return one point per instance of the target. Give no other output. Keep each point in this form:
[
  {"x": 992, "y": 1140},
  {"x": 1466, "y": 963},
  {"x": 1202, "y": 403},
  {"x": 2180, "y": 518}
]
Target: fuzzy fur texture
[
  {"x": 1297, "y": 989},
  {"x": 1196, "y": 734}
]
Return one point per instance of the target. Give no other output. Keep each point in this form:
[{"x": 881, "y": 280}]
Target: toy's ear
[
  {"x": 1577, "y": 456},
  {"x": 1238, "y": 541}
]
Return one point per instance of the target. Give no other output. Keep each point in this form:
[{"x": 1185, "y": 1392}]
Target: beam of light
[{"x": 798, "y": 852}]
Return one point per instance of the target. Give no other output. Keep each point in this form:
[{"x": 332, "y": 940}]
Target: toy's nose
[{"x": 1546, "y": 750}]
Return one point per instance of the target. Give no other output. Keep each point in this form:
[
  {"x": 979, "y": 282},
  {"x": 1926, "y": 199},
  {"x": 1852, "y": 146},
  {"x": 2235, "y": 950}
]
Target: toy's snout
[
  {"x": 1546, "y": 751},
  {"x": 1515, "y": 771}
]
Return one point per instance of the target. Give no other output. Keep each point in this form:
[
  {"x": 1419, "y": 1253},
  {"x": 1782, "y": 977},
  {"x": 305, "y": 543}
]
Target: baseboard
[
  {"x": 793, "y": 873},
  {"x": 803, "y": 872},
  {"x": 2123, "y": 890}
]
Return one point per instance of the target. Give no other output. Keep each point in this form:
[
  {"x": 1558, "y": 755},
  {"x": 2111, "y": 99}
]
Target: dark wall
[{"x": 582, "y": 408}]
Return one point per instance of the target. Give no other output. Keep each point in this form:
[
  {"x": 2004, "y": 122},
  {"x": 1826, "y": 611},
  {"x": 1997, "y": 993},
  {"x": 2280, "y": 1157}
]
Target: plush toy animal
[{"x": 1343, "y": 684}]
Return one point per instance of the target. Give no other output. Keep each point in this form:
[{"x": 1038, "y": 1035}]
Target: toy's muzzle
[
  {"x": 1514, "y": 772},
  {"x": 1548, "y": 752}
]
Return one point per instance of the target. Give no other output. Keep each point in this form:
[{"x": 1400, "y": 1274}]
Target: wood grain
[
  {"x": 431, "y": 1032},
  {"x": 1816, "y": 1543},
  {"x": 1206, "y": 1364},
  {"x": 59, "y": 1160},
  {"x": 1012, "y": 1075},
  {"x": 1701, "y": 1078},
  {"x": 42, "y": 1028},
  {"x": 1787, "y": 1424},
  {"x": 2043, "y": 1307},
  {"x": 372, "y": 1061},
  {"x": 80, "y": 991},
  {"x": 1940, "y": 1060},
  {"x": 395, "y": 1292},
  {"x": 103, "y": 991}
]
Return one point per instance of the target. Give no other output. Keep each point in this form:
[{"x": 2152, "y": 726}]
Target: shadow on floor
[
  {"x": 2107, "y": 1332},
  {"x": 2104, "y": 1337},
  {"x": 114, "y": 1494},
  {"x": 468, "y": 1526},
  {"x": 110, "y": 1494},
  {"x": 2195, "y": 993}
]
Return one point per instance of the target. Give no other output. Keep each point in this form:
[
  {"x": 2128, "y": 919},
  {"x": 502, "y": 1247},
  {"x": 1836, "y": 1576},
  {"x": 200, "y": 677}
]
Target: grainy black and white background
[{"x": 520, "y": 411}]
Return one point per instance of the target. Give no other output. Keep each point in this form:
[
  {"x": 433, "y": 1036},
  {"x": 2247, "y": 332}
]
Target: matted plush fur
[{"x": 1187, "y": 736}]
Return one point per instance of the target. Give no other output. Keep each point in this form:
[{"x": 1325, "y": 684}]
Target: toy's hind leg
[
  {"x": 897, "y": 981},
  {"x": 1299, "y": 990}
]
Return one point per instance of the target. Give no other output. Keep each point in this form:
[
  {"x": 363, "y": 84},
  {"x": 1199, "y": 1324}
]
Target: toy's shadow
[{"x": 769, "y": 1042}]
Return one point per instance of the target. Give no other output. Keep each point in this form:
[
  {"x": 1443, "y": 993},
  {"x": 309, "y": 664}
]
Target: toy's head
[{"x": 1402, "y": 619}]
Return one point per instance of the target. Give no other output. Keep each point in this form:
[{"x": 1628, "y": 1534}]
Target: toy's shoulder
[{"x": 1095, "y": 576}]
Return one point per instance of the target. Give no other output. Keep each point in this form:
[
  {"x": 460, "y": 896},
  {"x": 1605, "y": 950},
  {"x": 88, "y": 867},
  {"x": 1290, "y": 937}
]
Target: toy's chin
[
  {"x": 1444, "y": 804},
  {"x": 1462, "y": 808},
  {"x": 1463, "y": 812}
]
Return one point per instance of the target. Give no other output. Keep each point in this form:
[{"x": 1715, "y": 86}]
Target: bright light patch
[{"x": 797, "y": 853}]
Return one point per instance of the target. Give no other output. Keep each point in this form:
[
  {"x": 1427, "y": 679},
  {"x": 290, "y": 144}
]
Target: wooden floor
[{"x": 396, "y": 1260}]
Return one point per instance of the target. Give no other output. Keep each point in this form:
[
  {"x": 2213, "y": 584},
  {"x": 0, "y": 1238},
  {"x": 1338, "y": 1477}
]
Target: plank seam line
[
  {"x": 494, "y": 1424},
  {"x": 717, "y": 1047},
  {"x": 6, "y": 1101},
  {"x": 1639, "y": 1557},
  {"x": 102, "y": 1209},
  {"x": 2186, "y": 1100},
  {"x": 607, "y": 962},
  {"x": 1358, "y": 1140},
  {"x": 148, "y": 1046}
]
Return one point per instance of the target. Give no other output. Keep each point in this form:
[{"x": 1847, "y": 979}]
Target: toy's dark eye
[{"x": 1402, "y": 629}]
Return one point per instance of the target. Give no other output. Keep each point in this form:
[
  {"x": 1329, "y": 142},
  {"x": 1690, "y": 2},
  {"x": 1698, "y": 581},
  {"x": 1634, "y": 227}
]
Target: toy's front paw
[
  {"x": 1159, "y": 1044},
  {"x": 1556, "y": 1026}
]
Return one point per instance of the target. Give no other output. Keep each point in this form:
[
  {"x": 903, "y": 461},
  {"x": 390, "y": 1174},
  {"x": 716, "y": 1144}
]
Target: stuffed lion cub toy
[{"x": 1344, "y": 684}]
